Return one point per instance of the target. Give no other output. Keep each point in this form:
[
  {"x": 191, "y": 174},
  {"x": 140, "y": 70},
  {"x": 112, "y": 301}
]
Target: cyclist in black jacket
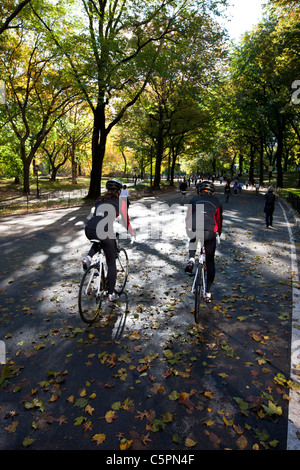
[
  {"x": 210, "y": 217},
  {"x": 100, "y": 226}
]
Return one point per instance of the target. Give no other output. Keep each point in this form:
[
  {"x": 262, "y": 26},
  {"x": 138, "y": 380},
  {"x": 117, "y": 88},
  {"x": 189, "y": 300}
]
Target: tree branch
[{"x": 8, "y": 20}]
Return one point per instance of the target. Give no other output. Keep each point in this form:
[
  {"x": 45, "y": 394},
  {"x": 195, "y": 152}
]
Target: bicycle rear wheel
[
  {"x": 198, "y": 293},
  {"x": 90, "y": 297},
  {"x": 122, "y": 270}
]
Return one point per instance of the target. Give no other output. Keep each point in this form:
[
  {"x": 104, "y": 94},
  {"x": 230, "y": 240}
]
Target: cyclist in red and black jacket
[
  {"x": 100, "y": 227},
  {"x": 210, "y": 217}
]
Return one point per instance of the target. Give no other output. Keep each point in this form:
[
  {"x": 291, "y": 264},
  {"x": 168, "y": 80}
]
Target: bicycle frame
[
  {"x": 200, "y": 267},
  {"x": 94, "y": 288},
  {"x": 98, "y": 263}
]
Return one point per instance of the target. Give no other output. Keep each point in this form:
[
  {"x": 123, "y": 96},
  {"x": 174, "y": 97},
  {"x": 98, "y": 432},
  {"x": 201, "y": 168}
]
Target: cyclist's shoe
[
  {"x": 189, "y": 267},
  {"x": 208, "y": 297},
  {"x": 86, "y": 262},
  {"x": 113, "y": 297}
]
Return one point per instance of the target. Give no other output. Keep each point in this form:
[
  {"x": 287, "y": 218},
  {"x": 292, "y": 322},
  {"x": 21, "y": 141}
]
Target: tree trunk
[
  {"x": 74, "y": 165},
  {"x": 159, "y": 156},
  {"x": 26, "y": 167},
  {"x": 98, "y": 152},
  {"x": 261, "y": 161},
  {"x": 26, "y": 182},
  {"x": 173, "y": 163},
  {"x": 125, "y": 163},
  {"x": 279, "y": 153},
  {"x": 53, "y": 173},
  {"x": 241, "y": 160},
  {"x": 251, "y": 167}
]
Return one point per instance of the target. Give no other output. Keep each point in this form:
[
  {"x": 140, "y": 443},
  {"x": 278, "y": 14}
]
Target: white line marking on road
[{"x": 293, "y": 436}]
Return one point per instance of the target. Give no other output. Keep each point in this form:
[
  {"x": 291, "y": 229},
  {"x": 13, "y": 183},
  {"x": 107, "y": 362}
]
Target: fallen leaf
[
  {"x": 242, "y": 442},
  {"x": 99, "y": 438},
  {"x": 110, "y": 416},
  {"x": 88, "y": 409},
  {"x": 27, "y": 441},
  {"x": 189, "y": 442},
  {"x": 125, "y": 444}
]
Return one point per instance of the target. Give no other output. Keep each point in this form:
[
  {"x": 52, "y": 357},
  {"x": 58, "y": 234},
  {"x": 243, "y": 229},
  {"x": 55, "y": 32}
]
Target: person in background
[
  {"x": 183, "y": 188},
  {"x": 227, "y": 190},
  {"x": 235, "y": 187},
  {"x": 269, "y": 206},
  {"x": 125, "y": 194}
]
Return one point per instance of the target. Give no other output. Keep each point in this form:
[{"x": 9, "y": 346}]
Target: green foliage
[{"x": 159, "y": 70}]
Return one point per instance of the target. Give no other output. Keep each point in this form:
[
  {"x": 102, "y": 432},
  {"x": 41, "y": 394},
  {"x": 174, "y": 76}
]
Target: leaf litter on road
[{"x": 163, "y": 370}]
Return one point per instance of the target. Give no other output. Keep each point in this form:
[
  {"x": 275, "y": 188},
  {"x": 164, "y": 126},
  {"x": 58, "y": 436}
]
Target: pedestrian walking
[
  {"x": 124, "y": 195},
  {"x": 227, "y": 190},
  {"x": 183, "y": 188},
  {"x": 235, "y": 188},
  {"x": 269, "y": 206}
]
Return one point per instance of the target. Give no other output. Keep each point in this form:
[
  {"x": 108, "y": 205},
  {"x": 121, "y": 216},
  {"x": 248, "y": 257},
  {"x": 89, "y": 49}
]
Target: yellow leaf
[
  {"x": 242, "y": 442},
  {"x": 110, "y": 416},
  {"x": 54, "y": 397},
  {"x": 208, "y": 422},
  {"x": 183, "y": 396},
  {"x": 228, "y": 422},
  {"x": 189, "y": 442},
  {"x": 125, "y": 444},
  {"x": 89, "y": 409},
  {"x": 99, "y": 438}
]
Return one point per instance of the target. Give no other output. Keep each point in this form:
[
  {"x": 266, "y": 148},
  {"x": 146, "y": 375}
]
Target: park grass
[
  {"x": 13, "y": 201},
  {"x": 8, "y": 187},
  {"x": 55, "y": 194}
]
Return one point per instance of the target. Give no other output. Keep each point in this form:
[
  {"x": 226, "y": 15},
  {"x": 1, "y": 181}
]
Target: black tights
[
  {"x": 210, "y": 248},
  {"x": 269, "y": 219},
  {"x": 110, "y": 250}
]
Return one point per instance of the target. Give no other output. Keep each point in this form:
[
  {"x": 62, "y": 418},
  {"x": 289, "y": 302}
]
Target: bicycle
[
  {"x": 93, "y": 288},
  {"x": 199, "y": 284},
  {"x": 200, "y": 281}
]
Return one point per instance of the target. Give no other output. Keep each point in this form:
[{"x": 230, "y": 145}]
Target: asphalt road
[{"x": 145, "y": 377}]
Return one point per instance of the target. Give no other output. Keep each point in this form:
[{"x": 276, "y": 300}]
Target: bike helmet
[
  {"x": 114, "y": 184},
  {"x": 205, "y": 186}
]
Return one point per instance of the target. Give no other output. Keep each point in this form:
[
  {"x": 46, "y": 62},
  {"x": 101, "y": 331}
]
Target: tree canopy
[{"x": 157, "y": 81}]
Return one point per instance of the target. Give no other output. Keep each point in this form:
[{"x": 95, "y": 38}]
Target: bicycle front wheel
[
  {"x": 90, "y": 294},
  {"x": 198, "y": 293},
  {"x": 122, "y": 270}
]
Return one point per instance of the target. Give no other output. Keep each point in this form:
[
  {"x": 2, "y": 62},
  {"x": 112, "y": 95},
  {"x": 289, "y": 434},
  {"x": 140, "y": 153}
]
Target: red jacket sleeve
[
  {"x": 125, "y": 217},
  {"x": 218, "y": 220}
]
